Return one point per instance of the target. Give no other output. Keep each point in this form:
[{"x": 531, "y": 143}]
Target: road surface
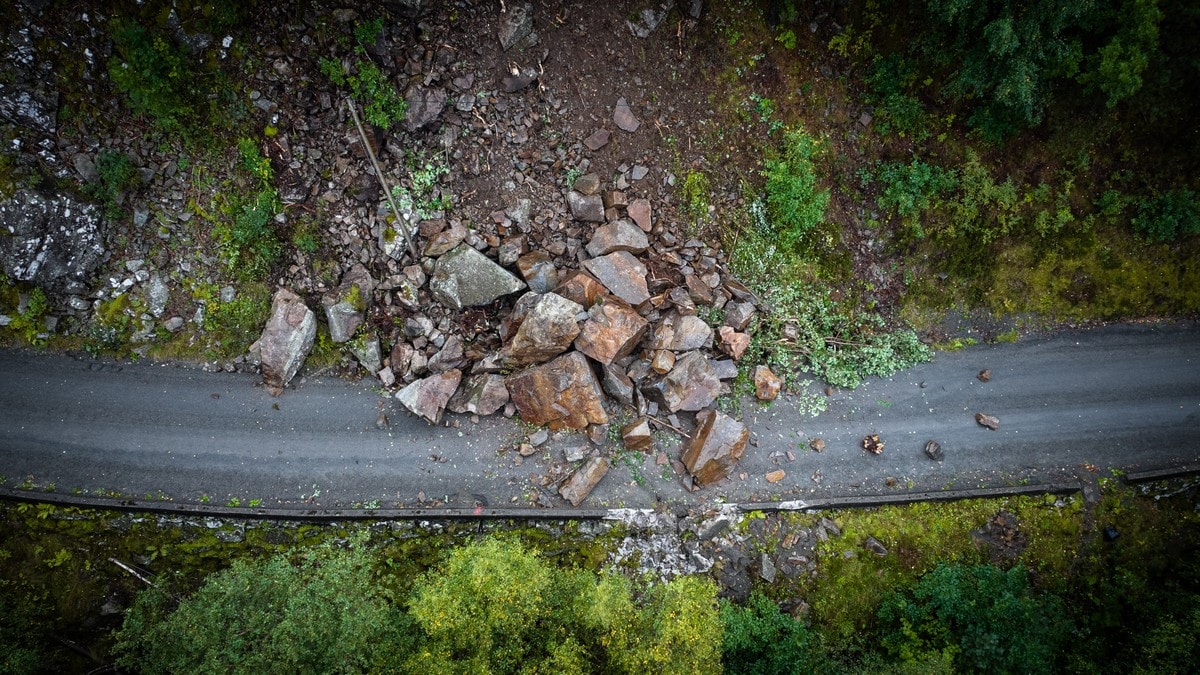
[{"x": 1124, "y": 397}]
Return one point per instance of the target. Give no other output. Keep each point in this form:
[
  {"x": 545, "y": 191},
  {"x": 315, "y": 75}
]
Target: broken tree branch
[
  {"x": 403, "y": 226},
  {"x": 132, "y": 571}
]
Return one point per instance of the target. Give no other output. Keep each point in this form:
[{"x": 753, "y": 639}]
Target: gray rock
[
  {"x": 582, "y": 482},
  {"x": 449, "y": 356},
  {"x": 286, "y": 340},
  {"x": 623, "y": 117},
  {"x": 428, "y": 397},
  {"x": 465, "y": 277},
  {"x": 639, "y": 211},
  {"x": 649, "y": 19},
  {"x": 691, "y": 385},
  {"x": 622, "y": 274},
  {"x": 766, "y": 569},
  {"x": 621, "y": 235},
  {"x": 483, "y": 394},
  {"x": 158, "y": 294},
  {"x": 934, "y": 451},
  {"x": 637, "y": 436},
  {"x": 681, "y": 332},
  {"x": 587, "y": 184},
  {"x": 425, "y": 105},
  {"x": 874, "y": 546},
  {"x": 512, "y": 249},
  {"x": 55, "y": 243},
  {"x": 515, "y": 25},
  {"x": 547, "y": 331},
  {"x": 366, "y": 350},
  {"x": 173, "y": 324},
  {"x": 27, "y": 94},
  {"x": 598, "y": 139},
  {"x": 345, "y": 307},
  {"x": 617, "y": 384},
  {"x": 588, "y": 208},
  {"x": 738, "y": 315}
]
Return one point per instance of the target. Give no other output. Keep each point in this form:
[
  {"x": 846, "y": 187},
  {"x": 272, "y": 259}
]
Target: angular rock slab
[
  {"x": 621, "y": 235},
  {"x": 345, "y": 307},
  {"x": 580, "y": 287},
  {"x": 691, "y": 385},
  {"x": 637, "y": 435},
  {"x": 483, "y": 394},
  {"x": 622, "y": 274},
  {"x": 682, "y": 332},
  {"x": 588, "y": 208},
  {"x": 286, "y": 340},
  {"x": 582, "y": 482},
  {"x": 639, "y": 211},
  {"x": 560, "y": 394},
  {"x": 624, "y": 118},
  {"x": 465, "y": 277},
  {"x": 428, "y": 397},
  {"x": 612, "y": 330},
  {"x": 766, "y": 384},
  {"x": 515, "y": 25},
  {"x": 547, "y": 330},
  {"x": 717, "y": 444}
]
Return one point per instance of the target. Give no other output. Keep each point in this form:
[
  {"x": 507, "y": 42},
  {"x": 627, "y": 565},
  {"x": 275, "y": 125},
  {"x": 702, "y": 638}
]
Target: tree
[
  {"x": 322, "y": 614},
  {"x": 983, "y": 618},
  {"x": 761, "y": 640}
]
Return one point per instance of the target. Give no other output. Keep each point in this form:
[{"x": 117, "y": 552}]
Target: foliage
[
  {"x": 234, "y": 325},
  {"x": 321, "y": 614},
  {"x": 910, "y": 189},
  {"x": 761, "y": 640},
  {"x": 495, "y": 607},
  {"x": 369, "y": 87},
  {"x": 795, "y": 202},
  {"x": 1169, "y": 216},
  {"x": 248, "y": 241},
  {"x": 29, "y": 323},
  {"x": 115, "y": 174},
  {"x": 159, "y": 78},
  {"x": 695, "y": 194},
  {"x": 985, "y": 618},
  {"x": 896, "y": 110}
]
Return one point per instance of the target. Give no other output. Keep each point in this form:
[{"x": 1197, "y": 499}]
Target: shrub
[
  {"x": 761, "y": 640},
  {"x": 115, "y": 174},
  {"x": 322, "y": 614},
  {"x": 986, "y": 619},
  {"x": 157, "y": 76},
  {"x": 910, "y": 189},
  {"x": 896, "y": 110},
  {"x": 795, "y": 202},
  {"x": 369, "y": 87},
  {"x": 1169, "y": 216}
]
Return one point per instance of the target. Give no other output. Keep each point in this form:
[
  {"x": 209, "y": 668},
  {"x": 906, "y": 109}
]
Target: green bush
[
  {"x": 984, "y": 618},
  {"x": 115, "y": 174},
  {"x": 761, "y": 640},
  {"x": 911, "y": 189},
  {"x": 795, "y": 202},
  {"x": 157, "y": 75},
  {"x": 322, "y": 614},
  {"x": 1169, "y": 216},
  {"x": 382, "y": 105},
  {"x": 896, "y": 110}
]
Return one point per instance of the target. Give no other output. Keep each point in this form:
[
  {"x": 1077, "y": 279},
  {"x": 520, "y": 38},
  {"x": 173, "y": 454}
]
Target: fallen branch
[
  {"x": 132, "y": 571},
  {"x": 668, "y": 425},
  {"x": 412, "y": 248}
]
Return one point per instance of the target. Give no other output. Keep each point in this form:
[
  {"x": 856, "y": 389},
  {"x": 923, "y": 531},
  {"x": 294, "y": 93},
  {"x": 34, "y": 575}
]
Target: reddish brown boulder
[
  {"x": 715, "y": 447},
  {"x": 582, "y": 482},
  {"x": 612, "y": 330},
  {"x": 562, "y": 393},
  {"x": 581, "y": 287},
  {"x": 682, "y": 333},
  {"x": 637, "y": 435},
  {"x": 691, "y": 384},
  {"x": 622, "y": 274},
  {"x": 766, "y": 383},
  {"x": 548, "y": 330},
  {"x": 734, "y": 343}
]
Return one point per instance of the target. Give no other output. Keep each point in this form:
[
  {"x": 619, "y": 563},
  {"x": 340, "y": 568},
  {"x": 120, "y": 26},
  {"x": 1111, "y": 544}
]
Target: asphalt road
[{"x": 1125, "y": 397}]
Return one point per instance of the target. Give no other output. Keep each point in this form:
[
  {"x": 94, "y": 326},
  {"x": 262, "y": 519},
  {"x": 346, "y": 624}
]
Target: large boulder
[
  {"x": 622, "y": 274},
  {"x": 561, "y": 394},
  {"x": 546, "y": 331},
  {"x": 584, "y": 480},
  {"x": 483, "y": 394},
  {"x": 690, "y": 385},
  {"x": 345, "y": 307},
  {"x": 465, "y": 277},
  {"x": 612, "y": 330},
  {"x": 54, "y": 242},
  {"x": 286, "y": 340},
  {"x": 717, "y": 444},
  {"x": 428, "y": 397},
  {"x": 682, "y": 332}
]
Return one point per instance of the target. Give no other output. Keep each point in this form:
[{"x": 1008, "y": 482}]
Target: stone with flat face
[
  {"x": 582, "y": 482},
  {"x": 622, "y": 274},
  {"x": 428, "y": 397},
  {"x": 621, "y": 235},
  {"x": 612, "y": 330},
  {"x": 465, "y": 277},
  {"x": 286, "y": 340},
  {"x": 561, "y": 394},
  {"x": 547, "y": 330},
  {"x": 691, "y": 385},
  {"x": 717, "y": 444}
]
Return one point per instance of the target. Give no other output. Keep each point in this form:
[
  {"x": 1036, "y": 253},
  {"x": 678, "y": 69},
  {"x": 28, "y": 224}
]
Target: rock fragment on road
[
  {"x": 872, "y": 444},
  {"x": 988, "y": 421},
  {"x": 934, "y": 450}
]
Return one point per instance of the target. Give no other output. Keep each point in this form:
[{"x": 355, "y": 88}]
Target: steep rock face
[
  {"x": 286, "y": 340},
  {"x": 465, "y": 277},
  {"x": 563, "y": 393},
  {"x": 717, "y": 444},
  {"x": 54, "y": 242}
]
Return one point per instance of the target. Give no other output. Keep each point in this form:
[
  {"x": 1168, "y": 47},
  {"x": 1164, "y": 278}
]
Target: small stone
[
  {"x": 733, "y": 342},
  {"x": 612, "y": 331},
  {"x": 582, "y": 482},
  {"x": 639, "y": 212},
  {"x": 587, "y": 208},
  {"x": 817, "y": 444},
  {"x": 985, "y": 375},
  {"x": 637, "y": 436},
  {"x": 515, "y": 25},
  {"x": 539, "y": 272},
  {"x": 988, "y": 421},
  {"x": 622, "y": 274},
  {"x": 621, "y": 235},
  {"x": 766, "y": 384},
  {"x": 872, "y": 544},
  {"x": 428, "y": 397},
  {"x": 775, "y": 476},
  {"x": 872, "y": 444},
  {"x": 934, "y": 450},
  {"x": 597, "y": 140},
  {"x": 173, "y": 324},
  {"x": 539, "y": 437},
  {"x": 582, "y": 288},
  {"x": 766, "y": 569},
  {"x": 588, "y": 184},
  {"x": 623, "y": 117},
  {"x": 663, "y": 361}
]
